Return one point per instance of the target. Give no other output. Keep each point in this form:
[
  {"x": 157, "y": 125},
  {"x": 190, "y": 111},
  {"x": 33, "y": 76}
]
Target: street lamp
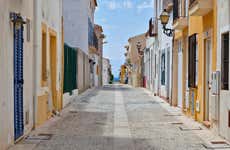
[{"x": 164, "y": 18}]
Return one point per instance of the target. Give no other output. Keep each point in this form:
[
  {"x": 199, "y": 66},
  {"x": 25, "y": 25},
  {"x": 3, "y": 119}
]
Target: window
[
  {"x": 44, "y": 60},
  {"x": 163, "y": 68},
  {"x": 192, "y": 62},
  {"x": 155, "y": 73},
  {"x": 225, "y": 61},
  {"x": 28, "y": 30}
]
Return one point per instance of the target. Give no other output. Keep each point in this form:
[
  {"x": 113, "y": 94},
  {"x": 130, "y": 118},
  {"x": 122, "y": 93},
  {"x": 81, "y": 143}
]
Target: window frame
[{"x": 223, "y": 65}]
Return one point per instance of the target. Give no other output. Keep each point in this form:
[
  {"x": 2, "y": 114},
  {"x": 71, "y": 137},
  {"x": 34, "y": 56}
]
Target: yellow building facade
[
  {"x": 123, "y": 74},
  {"x": 195, "y": 35}
]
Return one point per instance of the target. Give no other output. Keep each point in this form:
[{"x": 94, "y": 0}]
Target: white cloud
[
  {"x": 145, "y": 5},
  {"x": 113, "y": 5},
  {"x": 127, "y": 4}
]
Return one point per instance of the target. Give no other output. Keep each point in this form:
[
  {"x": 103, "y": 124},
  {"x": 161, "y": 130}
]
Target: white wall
[
  {"x": 76, "y": 23},
  {"x": 105, "y": 71},
  {"x": 24, "y": 7},
  {"x": 149, "y": 59},
  {"x": 50, "y": 14},
  {"x": 223, "y": 27},
  {"x": 165, "y": 44}
]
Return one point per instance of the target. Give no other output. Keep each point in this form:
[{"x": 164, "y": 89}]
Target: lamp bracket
[
  {"x": 168, "y": 32},
  {"x": 16, "y": 17}
]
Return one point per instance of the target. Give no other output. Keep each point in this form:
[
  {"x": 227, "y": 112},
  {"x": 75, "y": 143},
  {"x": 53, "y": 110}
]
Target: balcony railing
[{"x": 92, "y": 38}]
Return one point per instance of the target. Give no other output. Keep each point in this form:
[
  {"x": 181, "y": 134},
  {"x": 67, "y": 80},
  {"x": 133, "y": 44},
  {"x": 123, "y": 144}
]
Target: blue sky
[{"x": 120, "y": 20}]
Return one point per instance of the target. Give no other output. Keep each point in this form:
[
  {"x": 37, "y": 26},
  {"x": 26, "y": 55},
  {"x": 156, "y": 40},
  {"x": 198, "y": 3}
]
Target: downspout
[{"x": 35, "y": 48}]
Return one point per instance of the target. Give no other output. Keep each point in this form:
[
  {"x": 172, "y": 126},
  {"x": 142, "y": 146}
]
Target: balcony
[
  {"x": 92, "y": 38},
  {"x": 200, "y": 7},
  {"x": 180, "y": 23}
]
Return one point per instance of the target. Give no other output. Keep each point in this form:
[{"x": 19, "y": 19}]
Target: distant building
[
  {"x": 106, "y": 71},
  {"x": 135, "y": 54},
  {"x": 79, "y": 34}
]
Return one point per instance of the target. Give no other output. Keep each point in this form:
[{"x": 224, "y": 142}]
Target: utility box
[
  {"x": 214, "y": 99},
  {"x": 216, "y": 83}
]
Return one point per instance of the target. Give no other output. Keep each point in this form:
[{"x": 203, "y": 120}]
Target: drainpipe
[{"x": 35, "y": 48}]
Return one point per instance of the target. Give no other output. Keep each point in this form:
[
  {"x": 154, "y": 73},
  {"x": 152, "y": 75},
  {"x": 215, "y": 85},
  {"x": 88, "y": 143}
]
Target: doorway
[
  {"x": 180, "y": 73},
  {"x": 208, "y": 76},
  {"x": 53, "y": 70},
  {"x": 168, "y": 85},
  {"x": 18, "y": 82}
]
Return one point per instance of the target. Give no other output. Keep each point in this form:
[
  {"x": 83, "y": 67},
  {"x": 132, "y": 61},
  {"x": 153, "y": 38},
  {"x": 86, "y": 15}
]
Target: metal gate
[
  {"x": 70, "y": 69},
  {"x": 18, "y": 81}
]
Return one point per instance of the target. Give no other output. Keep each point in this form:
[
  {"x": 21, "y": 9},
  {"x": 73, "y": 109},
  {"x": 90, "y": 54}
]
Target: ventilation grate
[
  {"x": 37, "y": 138},
  {"x": 177, "y": 123},
  {"x": 171, "y": 115},
  {"x": 190, "y": 129},
  {"x": 73, "y": 111}
]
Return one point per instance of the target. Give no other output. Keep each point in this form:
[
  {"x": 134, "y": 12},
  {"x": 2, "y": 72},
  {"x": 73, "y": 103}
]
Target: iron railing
[{"x": 92, "y": 38}]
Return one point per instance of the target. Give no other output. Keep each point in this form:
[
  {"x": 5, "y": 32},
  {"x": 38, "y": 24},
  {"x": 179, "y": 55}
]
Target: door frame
[
  {"x": 208, "y": 72},
  {"x": 18, "y": 122},
  {"x": 180, "y": 79},
  {"x": 53, "y": 68}
]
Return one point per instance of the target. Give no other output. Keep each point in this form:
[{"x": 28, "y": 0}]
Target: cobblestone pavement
[{"x": 118, "y": 117}]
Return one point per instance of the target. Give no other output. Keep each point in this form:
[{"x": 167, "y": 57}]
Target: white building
[
  {"x": 162, "y": 53},
  {"x": 16, "y": 67},
  {"x": 149, "y": 62},
  {"x": 48, "y": 68},
  {"x": 30, "y": 65},
  {"x": 79, "y": 33},
  {"x": 221, "y": 104},
  {"x": 106, "y": 68}
]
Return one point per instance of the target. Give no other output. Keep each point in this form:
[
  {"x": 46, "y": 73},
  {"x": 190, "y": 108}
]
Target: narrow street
[{"x": 118, "y": 117}]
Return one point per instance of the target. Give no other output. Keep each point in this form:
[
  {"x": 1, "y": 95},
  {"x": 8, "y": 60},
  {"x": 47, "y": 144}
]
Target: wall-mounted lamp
[
  {"x": 17, "y": 19},
  {"x": 164, "y": 18}
]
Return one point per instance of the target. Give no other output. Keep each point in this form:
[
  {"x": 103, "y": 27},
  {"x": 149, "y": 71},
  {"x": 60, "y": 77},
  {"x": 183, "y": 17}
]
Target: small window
[
  {"x": 225, "y": 61},
  {"x": 28, "y": 30},
  {"x": 163, "y": 68}
]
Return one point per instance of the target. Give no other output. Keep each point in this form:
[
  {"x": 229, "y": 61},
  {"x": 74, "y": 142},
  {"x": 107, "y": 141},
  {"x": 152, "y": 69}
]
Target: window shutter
[
  {"x": 225, "y": 62},
  {"x": 175, "y": 9},
  {"x": 192, "y": 62}
]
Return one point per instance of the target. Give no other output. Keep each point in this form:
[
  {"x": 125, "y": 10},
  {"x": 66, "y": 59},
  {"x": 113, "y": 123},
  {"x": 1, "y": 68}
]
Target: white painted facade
[
  {"x": 106, "y": 67},
  {"x": 164, "y": 56},
  {"x": 25, "y": 8},
  {"x": 223, "y": 26},
  {"x": 48, "y": 13},
  {"x": 76, "y": 24},
  {"x": 149, "y": 62}
]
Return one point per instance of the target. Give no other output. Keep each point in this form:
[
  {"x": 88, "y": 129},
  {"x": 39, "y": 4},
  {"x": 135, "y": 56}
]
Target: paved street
[{"x": 119, "y": 117}]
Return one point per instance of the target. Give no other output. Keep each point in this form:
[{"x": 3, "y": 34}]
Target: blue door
[{"x": 18, "y": 81}]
